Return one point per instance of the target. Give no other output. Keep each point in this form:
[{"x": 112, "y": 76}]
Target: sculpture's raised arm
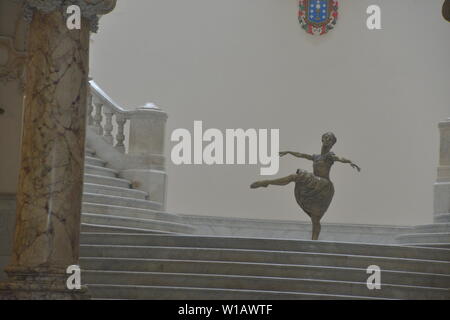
[
  {"x": 297, "y": 154},
  {"x": 343, "y": 160}
]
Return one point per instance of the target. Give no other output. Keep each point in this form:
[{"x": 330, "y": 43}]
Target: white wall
[{"x": 247, "y": 63}]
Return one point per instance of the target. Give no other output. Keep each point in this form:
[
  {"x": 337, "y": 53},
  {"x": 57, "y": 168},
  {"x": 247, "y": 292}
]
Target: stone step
[
  {"x": 263, "y": 270},
  {"x": 132, "y": 250},
  {"x": 114, "y": 191},
  {"x": 130, "y": 212},
  {"x": 430, "y": 245},
  {"x": 442, "y": 218},
  {"x": 108, "y": 181},
  {"x": 121, "y": 201},
  {"x": 100, "y": 171},
  {"x": 179, "y": 293},
  {"x": 89, "y": 152},
  {"x": 191, "y": 241},
  {"x": 148, "y": 224},
  {"x": 93, "y": 229},
  {"x": 264, "y": 256},
  {"x": 412, "y": 238},
  {"x": 94, "y": 161},
  {"x": 297, "y": 285},
  {"x": 433, "y": 228}
]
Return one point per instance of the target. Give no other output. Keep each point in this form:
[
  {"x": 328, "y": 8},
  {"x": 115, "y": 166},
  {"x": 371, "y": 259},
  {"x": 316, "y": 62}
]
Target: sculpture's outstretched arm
[
  {"x": 343, "y": 160},
  {"x": 297, "y": 154}
]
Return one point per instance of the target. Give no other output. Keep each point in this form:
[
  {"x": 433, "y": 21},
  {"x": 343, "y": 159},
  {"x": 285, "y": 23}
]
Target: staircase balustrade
[{"x": 130, "y": 140}]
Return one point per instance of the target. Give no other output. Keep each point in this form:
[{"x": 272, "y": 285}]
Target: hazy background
[{"x": 248, "y": 63}]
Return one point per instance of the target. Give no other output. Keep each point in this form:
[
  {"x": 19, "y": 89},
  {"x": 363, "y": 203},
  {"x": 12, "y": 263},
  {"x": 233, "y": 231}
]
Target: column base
[{"x": 39, "y": 285}]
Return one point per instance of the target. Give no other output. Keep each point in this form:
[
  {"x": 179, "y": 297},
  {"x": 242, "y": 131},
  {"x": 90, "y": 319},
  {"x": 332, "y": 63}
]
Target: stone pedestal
[
  {"x": 147, "y": 136},
  {"x": 442, "y": 185},
  {"x": 147, "y": 131},
  {"x": 436, "y": 234},
  {"x": 47, "y": 231}
]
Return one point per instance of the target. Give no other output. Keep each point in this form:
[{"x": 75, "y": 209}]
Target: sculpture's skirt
[{"x": 313, "y": 193}]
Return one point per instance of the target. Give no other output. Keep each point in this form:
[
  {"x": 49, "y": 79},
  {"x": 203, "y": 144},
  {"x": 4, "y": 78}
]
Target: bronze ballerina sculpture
[{"x": 313, "y": 191}]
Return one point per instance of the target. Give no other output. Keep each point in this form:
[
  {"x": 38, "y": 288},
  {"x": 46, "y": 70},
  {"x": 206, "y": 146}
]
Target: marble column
[
  {"x": 47, "y": 230},
  {"x": 442, "y": 185}
]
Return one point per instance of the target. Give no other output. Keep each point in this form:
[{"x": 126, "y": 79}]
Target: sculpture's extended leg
[
  {"x": 277, "y": 182},
  {"x": 315, "y": 227}
]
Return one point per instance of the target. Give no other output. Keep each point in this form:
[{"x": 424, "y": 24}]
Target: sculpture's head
[
  {"x": 446, "y": 10},
  {"x": 328, "y": 139}
]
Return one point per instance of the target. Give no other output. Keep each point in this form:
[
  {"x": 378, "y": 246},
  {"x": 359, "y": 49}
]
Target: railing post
[
  {"x": 98, "y": 117},
  {"x": 442, "y": 185},
  {"x": 108, "y": 128},
  {"x": 120, "y": 137},
  {"x": 147, "y": 131},
  {"x": 146, "y": 139},
  {"x": 90, "y": 108}
]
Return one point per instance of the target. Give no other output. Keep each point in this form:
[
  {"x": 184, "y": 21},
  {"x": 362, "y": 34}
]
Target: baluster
[
  {"x": 98, "y": 118},
  {"x": 108, "y": 128},
  {"x": 90, "y": 108},
  {"x": 120, "y": 137}
]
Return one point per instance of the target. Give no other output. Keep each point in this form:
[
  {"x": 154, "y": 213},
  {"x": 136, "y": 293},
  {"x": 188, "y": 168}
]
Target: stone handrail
[
  {"x": 101, "y": 105},
  {"x": 146, "y": 124},
  {"x": 131, "y": 141}
]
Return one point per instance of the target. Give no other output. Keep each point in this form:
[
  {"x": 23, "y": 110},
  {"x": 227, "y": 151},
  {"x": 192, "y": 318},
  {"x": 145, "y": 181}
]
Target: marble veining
[{"x": 50, "y": 180}]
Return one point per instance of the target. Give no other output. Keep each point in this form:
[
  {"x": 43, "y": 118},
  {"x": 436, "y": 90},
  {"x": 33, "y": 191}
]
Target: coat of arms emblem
[{"x": 318, "y": 16}]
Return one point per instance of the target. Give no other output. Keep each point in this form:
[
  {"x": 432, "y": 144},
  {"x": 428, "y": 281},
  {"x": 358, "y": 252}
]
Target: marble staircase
[
  {"x": 111, "y": 205},
  {"x": 429, "y": 235},
  {"x": 154, "y": 266},
  {"x": 132, "y": 249}
]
